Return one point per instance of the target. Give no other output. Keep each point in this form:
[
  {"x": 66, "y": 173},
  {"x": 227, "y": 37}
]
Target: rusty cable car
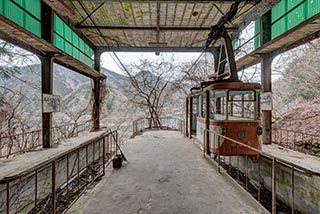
[{"x": 227, "y": 106}]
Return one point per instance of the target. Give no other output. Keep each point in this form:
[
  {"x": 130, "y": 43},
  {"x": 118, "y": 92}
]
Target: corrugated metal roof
[{"x": 155, "y": 23}]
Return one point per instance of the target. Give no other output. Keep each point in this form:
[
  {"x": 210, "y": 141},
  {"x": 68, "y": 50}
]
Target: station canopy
[{"x": 151, "y": 24}]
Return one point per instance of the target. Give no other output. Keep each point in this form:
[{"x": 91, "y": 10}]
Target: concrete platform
[
  {"x": 166, "y": 173},
  {"x": 22, "y": 162},
  {"x": 305, "y": 161}
]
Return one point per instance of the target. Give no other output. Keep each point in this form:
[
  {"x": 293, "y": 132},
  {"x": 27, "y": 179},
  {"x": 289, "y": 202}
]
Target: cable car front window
[{"x": 242, "y": 105}]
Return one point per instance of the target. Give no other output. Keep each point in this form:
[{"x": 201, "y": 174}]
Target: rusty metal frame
[
  {"x": 275, "y": 162},
  {"x": 99, "y": 158},
  {"x": 167, "y": 123}
]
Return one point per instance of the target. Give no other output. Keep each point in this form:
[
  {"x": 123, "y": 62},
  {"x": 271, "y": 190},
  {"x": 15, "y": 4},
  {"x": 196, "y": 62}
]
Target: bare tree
[{"x": 150, "y": 86}]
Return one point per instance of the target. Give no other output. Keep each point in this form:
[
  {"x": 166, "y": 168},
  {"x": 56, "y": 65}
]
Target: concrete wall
[
  {"x": 22, "y": 191},
  {"x": 306, "y": 188}
]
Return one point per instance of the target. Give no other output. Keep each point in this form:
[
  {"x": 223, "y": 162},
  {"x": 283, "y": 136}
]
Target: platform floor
[
  {"x": 166, "y": 173},
  {"x": 22, "y": 162}
]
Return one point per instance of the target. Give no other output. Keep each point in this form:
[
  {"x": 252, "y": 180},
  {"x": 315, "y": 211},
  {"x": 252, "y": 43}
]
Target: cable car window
[
  {"x": 242, "y": 105},
  {"x": 203, "y": 105},
  {"x": 241, "y": 95},
  {"x": 199, "y": 106},
  {"x": 218, "y": 105},
  {"x": 194, "y": 105}
]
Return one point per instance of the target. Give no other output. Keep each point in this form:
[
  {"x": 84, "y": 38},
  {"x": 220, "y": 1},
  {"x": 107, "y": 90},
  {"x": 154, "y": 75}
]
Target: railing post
[
  {"x": 35, "y": 191},
  {"x": 292, "y": 190},
  {"x": 8, "y": 197},
  {"x": 274, "y": 193},
  {"x": 104, "y": 155},
  {"x": 78, "y": 173},
  {"x": 53, "y": 187},
  {"x": 68, "y": 179},
  {"x": 204, "y": 143}
]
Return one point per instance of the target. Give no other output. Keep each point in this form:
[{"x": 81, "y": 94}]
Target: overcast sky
[{"x": 110, "y": 62}]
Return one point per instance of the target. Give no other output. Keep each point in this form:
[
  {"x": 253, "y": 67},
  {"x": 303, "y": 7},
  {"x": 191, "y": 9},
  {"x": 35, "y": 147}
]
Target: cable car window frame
[
  {"x": 232, "y": 100},
  {"x": 254, "y": 100},
  {"x": 213, "y": 105}
]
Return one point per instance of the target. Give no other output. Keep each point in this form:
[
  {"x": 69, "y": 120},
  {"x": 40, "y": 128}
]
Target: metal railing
[
  {"x": 12, "y": 144},
  {"x": 54, "y": 185},
  {"x": 296, "y": 140},
  {"x": 166, "y": 123},
  {"x": 231, "y": 165}
]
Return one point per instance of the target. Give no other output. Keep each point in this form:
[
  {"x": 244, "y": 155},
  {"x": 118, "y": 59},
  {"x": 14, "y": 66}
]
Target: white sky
[{"x": 110, "y": 62}]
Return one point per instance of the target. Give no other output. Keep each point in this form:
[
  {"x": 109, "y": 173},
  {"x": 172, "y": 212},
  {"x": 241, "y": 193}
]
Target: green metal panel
[
  {"x": 67, "y": 33},
  {"x": 257, "y": 38},
  {"x": 75, "y": 53},
  {"x": 313, "y": 8},
  {"x": 279, "y": 26},
  {"x": 293, "y": 3},
  {"x": 1, "y": 7},
  {"x": 20, "y": 16},
  {"x": 59, "y": 42},
  {"x": 91, "y": 53},
  {"x": 58, "y": 25},
  {"x": 81, "y": 45},
  {"x": 70, "y": 42},
  {"x": 32, "y": 25},
  {"x": 75, "y": 39},
  {"x": 34, "y": 7},
  {"x": 298, "y": 15},
  {"x": 14, "y": 13}
]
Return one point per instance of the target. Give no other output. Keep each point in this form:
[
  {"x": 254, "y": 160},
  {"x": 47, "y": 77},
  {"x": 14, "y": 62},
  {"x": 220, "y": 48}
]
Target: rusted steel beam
[
  {"x": 187, "y": 113},
  {"x": 47, "y": 72},
  {"x": 207, "y": 121},
  {"x": 154, "y": 28},
  {"x": 61, "y": 7},
  {"x": 20, "y": 44},
  {"x": 169, "y": 1},
  {"x": 96, "y": 103},
  {"x": 47, "y": 88},
  {"x": 149, "y": 49},
  {"x": 266, "y": 72},
  {"x": 190, "y": 116}
]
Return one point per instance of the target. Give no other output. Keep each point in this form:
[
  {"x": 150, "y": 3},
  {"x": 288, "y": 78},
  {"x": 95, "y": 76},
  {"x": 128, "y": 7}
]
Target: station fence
[
  {"x": 166, "y": 123},
  {"x": 238, "y": 168},
  {"x": 296, "y": 140},
  {"x": 54, "y": 185},
  {"x": 11, "y": 144}
]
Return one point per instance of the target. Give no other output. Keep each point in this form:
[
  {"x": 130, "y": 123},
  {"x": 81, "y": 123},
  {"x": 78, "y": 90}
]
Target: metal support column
[
  {"x": 187, "y": 113},
  {"x": 266, "y": 63},
  {"x": 96, "y": 104},
  {"x": 47, "y": 88},
  {"x": 207, "y": 122},
  {"x": 190, "y": 116},
  {"x": 47, "y": 71},
  {"x": 96, "y": 91}
]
